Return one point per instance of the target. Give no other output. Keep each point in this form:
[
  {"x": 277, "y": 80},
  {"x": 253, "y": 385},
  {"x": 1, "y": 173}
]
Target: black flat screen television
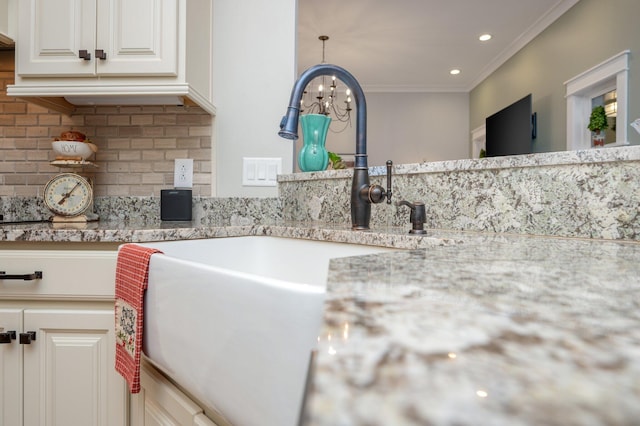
[{"x": 511, "y": 130}]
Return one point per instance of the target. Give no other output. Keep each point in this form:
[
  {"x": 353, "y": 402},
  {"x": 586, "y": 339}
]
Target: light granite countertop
[
  {"x": 464, "y": 328},
  {"x": 500, "y": 330},
  {"x": 132, "y": 232}
]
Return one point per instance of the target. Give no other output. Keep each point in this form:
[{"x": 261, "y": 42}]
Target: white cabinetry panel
[
  {"x": 144, "y": 52},
  {"x": 56, "y": 32},
  {"x": 160, "y": 403},
  {"x": 68, "y": 366},
  {"x": 140, "y": 37},
  {"x": 10, "y": 370},
  {"x": 136, "y": 37},
  {"x": 66, "y": 375}
]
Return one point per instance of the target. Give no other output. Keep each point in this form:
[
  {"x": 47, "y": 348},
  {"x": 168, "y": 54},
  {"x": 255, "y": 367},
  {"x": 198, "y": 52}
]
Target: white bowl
[{"x": 72, "y": 149}]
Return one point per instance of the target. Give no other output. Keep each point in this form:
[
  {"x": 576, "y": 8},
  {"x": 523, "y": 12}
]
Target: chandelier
[{"x": 325, "y": 100}]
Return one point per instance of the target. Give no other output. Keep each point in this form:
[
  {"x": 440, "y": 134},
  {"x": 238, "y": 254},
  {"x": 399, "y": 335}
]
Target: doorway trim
[{"x": 612, "y": 73}]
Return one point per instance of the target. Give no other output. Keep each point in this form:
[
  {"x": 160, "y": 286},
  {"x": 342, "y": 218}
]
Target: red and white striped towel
[{"x": 132, "y": 274}]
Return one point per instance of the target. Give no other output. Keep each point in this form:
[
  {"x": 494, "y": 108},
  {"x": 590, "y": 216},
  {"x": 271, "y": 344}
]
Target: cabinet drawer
[{"x": 65, "y": 274}]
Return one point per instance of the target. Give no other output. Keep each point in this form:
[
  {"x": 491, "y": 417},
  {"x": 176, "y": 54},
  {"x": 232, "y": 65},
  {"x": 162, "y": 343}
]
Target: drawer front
[{"x": 66, "y": 274}]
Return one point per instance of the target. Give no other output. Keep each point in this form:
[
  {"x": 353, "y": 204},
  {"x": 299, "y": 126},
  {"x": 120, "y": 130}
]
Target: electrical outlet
[{"x": 183, "y": 173}]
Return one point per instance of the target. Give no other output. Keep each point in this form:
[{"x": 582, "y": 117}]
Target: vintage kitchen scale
[{"x": 69, "y": 196}]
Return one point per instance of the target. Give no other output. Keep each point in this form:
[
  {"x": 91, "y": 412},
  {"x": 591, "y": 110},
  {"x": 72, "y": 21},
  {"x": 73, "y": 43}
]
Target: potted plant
[
  {"x": 336, "y": 161},
  {"x": 598, "y": 123}
]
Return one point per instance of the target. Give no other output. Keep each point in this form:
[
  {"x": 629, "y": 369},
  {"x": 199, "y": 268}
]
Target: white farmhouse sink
[{"x": 233, "y": 320}]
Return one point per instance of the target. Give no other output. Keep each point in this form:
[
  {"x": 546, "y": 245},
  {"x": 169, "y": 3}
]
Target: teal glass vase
[{"x": 313, "y": 155}]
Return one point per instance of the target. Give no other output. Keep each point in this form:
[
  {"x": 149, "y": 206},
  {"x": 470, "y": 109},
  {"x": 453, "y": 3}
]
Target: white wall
[
  {"x": 411, "y": 128},
  {"x": 568, "y": 47},
  {"x": 417, "y": 127},
  {"x": 253, "y": 73}
]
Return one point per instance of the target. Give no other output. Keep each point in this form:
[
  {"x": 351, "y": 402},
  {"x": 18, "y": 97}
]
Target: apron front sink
[{"x": 234, "y": 320}]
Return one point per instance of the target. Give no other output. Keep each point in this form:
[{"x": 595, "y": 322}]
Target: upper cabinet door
[
  {"x": 139, "y": 37},
  {"x": 52, "y": 33},
  {"x": 88, "y": 38}
]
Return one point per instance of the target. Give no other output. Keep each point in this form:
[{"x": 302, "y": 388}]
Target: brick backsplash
[{"x": 137, "y": 145}]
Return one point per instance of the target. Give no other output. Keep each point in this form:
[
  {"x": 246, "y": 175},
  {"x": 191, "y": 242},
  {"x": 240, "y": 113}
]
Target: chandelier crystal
[{"x": 326, "y": 99}]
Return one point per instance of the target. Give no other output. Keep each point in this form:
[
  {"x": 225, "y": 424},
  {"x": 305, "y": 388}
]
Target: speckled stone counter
[
  {"x": 211, "y": 211},
  {"x": 499, "y": 330},
  {"x": 592, "y": 193},
  {"x": 464, "y": 328},
  {"x": 140, "y": 231}
]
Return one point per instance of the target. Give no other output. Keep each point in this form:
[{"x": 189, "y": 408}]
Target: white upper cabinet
[
  {"x": 140, "y": 35},
  {"x": 7, "y": 22},
  {"x": 111, "y": 51},
  {"x": 98, "y": 37}
]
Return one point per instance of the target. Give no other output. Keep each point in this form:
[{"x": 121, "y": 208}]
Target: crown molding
[{"x": 532, "y": 32}]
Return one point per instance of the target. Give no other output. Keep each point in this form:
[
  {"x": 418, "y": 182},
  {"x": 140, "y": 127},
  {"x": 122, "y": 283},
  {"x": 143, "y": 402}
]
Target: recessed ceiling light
[
  {"x": 485, "y": 37},
  {"x": 454, "y": 71}
]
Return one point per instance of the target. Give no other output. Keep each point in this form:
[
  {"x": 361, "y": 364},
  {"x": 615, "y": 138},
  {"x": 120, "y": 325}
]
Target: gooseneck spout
[
  {"x": 289, "y": 124},
  {"x": 361, "y": 190}
]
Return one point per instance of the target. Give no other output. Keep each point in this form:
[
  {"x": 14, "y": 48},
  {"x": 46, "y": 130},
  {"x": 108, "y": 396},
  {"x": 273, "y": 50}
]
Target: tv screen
[{"x": 511, "y": 130}]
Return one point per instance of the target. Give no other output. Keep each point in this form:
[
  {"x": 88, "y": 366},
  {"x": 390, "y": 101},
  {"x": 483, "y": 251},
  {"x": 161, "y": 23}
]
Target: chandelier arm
[
  {"x": 327, "y": 105},
  {"x": 341, "y": 115},
  {"x": 311, "y": 106},
  {"x": 346, "y": 124}
]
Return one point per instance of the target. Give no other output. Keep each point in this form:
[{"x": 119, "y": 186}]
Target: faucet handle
[
  {"x": 417, "y": 217},
  {"x": 375, "y": 193}
]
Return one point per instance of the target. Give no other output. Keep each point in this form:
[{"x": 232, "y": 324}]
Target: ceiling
[{"x": 411, "y": 45}]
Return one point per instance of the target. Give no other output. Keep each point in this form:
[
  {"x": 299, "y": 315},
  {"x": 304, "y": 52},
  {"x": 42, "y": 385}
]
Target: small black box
[{"x": 175, "y": 204}]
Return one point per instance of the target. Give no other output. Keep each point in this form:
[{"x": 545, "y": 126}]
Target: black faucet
[
  {"x": 417, "y": 217},
  {"x": 362, "y": 193}
]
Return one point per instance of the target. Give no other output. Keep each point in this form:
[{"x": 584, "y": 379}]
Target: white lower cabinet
[
  {"x": 57, "y": 362},
  {"x": 63, "y": 373},
  {"x": 160, "y": 403},
  {"x": 10, "y": 369}
]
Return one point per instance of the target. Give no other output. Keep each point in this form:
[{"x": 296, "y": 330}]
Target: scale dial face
[{"x": 68, "y": 194}]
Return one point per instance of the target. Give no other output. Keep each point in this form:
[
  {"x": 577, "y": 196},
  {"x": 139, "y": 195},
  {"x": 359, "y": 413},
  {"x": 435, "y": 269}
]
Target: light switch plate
[{"x": 261, "y": 171}]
